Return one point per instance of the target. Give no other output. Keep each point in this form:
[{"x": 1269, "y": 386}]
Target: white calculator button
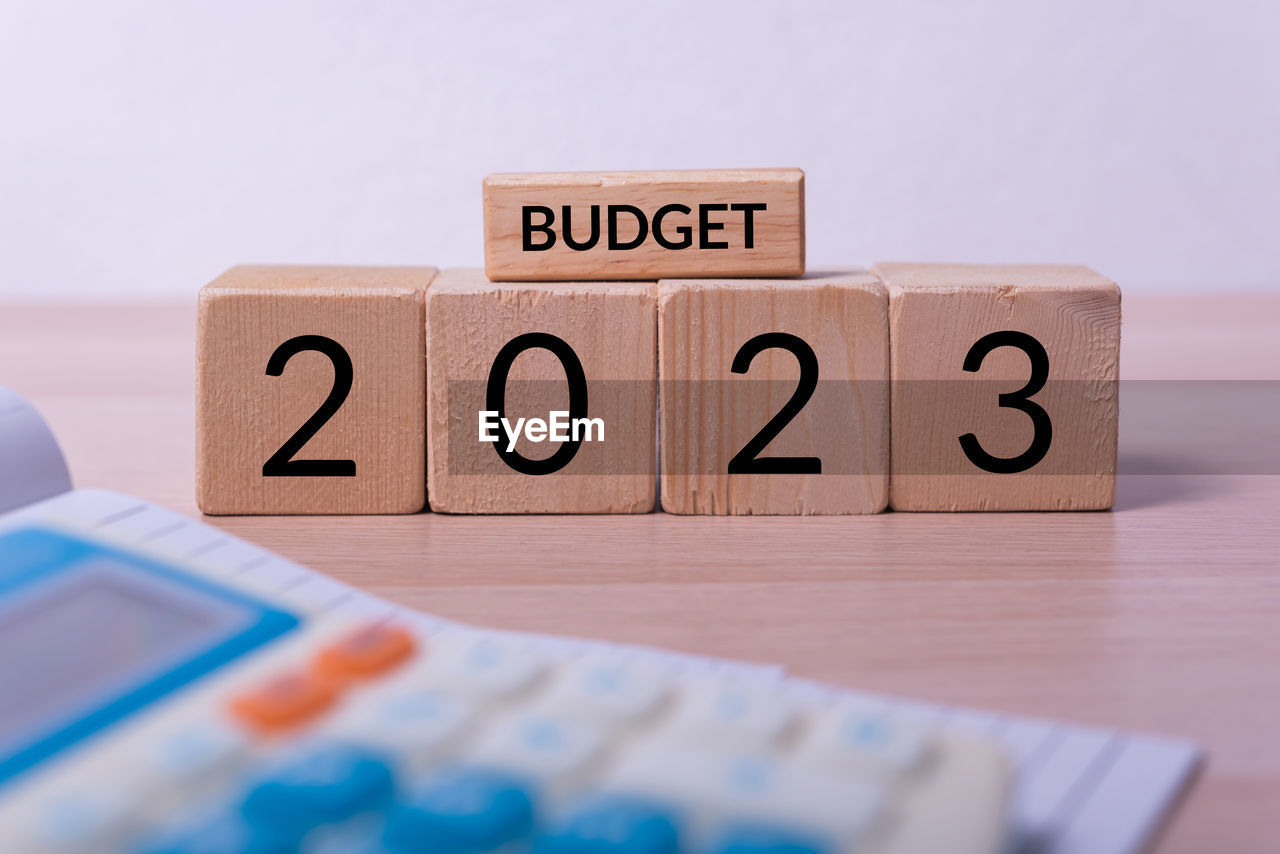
[
  {"x": 961, "y": 805},
  {"x": 865, "y": 738},
  {"x": 608, "y": 691},
  {"x": 544, "y": 748},
  {"x": 417, "y": 724},
  {"x": 735, "y": 716},
  {"x": 725, "y": 787},
  {"x": 484, "y": 667},
  {"x": 185, "y": 755},
  {"x": 93, "y": 818}
]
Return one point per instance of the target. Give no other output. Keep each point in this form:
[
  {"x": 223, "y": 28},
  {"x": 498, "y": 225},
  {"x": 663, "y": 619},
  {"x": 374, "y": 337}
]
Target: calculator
[{"x": 158, "y": 702}]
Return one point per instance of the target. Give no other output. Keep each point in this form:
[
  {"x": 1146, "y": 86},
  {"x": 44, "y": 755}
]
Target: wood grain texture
[
  {"x": 776, "y": 233},
  {"x": 244, "y": 416},
  {"x": 937, "y": 312},
  {"x": 612, "y": 329},
  {"x": 1162, "y": 615},
  {"x": 709, "y": 413}
]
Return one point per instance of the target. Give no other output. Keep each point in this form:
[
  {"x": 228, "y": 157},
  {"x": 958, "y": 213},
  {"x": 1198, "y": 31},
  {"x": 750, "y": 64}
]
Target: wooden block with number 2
[
  {"x": 775, "y": 395},
  {"x": 310, "y": 390}
]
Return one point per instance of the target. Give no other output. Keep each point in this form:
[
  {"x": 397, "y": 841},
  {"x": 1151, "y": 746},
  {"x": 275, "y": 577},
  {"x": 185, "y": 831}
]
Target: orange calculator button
[
  {"x": 284, "y": 702},
  {"x": 366, "y": 652}
]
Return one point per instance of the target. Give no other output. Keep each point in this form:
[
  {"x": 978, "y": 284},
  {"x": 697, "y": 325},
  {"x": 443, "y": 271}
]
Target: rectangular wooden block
[
  {"x": 309, "y": 390},
  {"x": 1005, "y": 387},
  {"x": 775, "y": 396},
  {"x": 644, "y": 225},
  {"x": 578, "y": 357}
]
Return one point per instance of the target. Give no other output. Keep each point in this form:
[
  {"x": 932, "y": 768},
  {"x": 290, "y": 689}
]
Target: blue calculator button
[
  {"x": 360, "y": 835},
  {"x": 228, "y": 833},
  {"x": 613, "y": 825},
  {"x": 462, "y": 811},
  {"x": 759, "y": 839},
  {"x": 327, "y": 784}
]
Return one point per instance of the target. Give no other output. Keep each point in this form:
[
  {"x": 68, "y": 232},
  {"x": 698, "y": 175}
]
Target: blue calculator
[{"x": 164, "y": 689}]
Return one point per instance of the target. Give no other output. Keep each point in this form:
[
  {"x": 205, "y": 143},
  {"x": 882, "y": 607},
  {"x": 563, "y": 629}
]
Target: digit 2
[
  {"x": 1019, "y": 400},
  {"x": 282, "y": 463},
  {"x": 748, "y": 460}
]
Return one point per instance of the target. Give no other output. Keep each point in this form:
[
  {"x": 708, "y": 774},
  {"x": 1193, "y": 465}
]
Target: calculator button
[
  {"x": 754, "y": 839},
  {"x": 486, "y": 668},
  {"x": 608, "y": 691},
  {"x": 961, "y": 804},
  {"x": 542, "y": 747},
  {"x": 865, "y": 739},
  {"x": 79, "y": 819},
  {"x": 758, "y": 788},
  {"x": 733, "y": 716},
  {"x": 325, "y": 784},
  {"x": 361, "y": 835},
  {"x": 368, "y": 651},
  {"x": 284, "y": 702},
  {"x": 461, "y": 810},
  {"x": 418, "y": 724},
  {"x": 613, "y": 825},
  {"x": 193, "y": 753},
  {"x": 226, "y": 833}
]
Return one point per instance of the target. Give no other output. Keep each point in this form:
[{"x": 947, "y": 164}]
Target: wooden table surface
[{"x": 1162, "y": 615}]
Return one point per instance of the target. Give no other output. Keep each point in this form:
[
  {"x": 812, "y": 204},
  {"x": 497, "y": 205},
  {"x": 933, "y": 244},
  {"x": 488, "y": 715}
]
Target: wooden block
[
  {"x": 784, "y": 383},
  {"x": 1048, "y": 338},
  {"x": 309, "y": 390},
  {"x": 520, "y": 351},
  {"x": 644, "y": 225}
]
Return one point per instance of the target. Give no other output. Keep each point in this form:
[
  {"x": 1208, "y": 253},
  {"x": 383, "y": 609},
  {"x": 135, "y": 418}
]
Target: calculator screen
[{"x": 89, "y": 635}]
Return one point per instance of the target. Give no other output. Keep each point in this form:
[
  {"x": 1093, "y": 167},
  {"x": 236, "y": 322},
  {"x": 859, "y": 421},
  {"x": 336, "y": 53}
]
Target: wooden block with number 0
[
  {"x": 570, "y": 366},
  {"x": 310, "y": 391},
  {"x": 775, "y": 395},
  {"x": 1005, "y": 393}
]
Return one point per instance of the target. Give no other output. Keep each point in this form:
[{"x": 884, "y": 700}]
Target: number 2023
[{"x": 746, "y": 461}]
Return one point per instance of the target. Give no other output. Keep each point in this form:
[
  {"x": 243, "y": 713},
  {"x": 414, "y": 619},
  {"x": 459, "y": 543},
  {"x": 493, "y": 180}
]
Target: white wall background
[{"x": 145, "y": 146}]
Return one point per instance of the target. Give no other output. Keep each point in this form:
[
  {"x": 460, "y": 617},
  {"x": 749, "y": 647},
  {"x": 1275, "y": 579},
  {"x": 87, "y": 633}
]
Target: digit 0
[
  {"x": 496, "y": 395},
  {"x": 1019, "y": 400}
]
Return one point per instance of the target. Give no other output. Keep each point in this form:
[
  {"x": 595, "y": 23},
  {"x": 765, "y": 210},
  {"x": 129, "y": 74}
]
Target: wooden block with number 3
[
  {"x": 310, "y": 391},
  {"x": 541, "y": 398},
  {"x": 1005, "y": 389},
  {"x": 775, "y": 395}
]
